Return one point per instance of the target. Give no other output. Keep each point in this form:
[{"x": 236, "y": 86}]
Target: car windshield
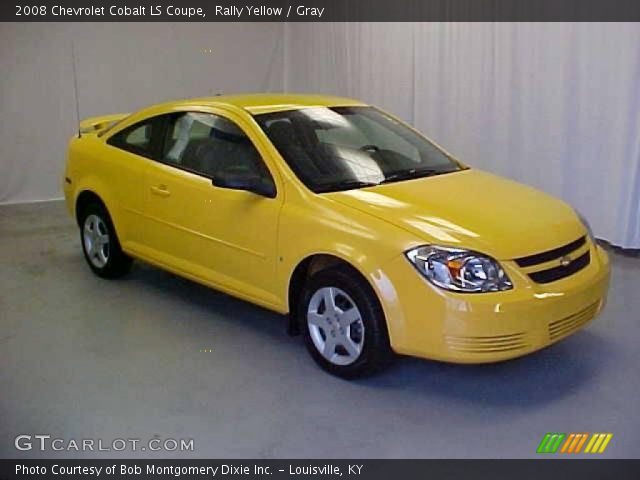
[{"x": 342, "y": 148}]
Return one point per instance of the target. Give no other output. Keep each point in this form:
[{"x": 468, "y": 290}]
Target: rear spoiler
[{"x": 95, "y": 124}]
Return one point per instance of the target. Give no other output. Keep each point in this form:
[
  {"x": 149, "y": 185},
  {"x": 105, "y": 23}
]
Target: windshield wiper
[
  {"x": 344, "y": 185},
  {"x": 414, "y": 173},
  {"x": 392, "y": 177}
]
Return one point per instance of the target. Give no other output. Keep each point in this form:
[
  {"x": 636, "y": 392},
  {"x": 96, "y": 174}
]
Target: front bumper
[{"x": 429, "y": 322}]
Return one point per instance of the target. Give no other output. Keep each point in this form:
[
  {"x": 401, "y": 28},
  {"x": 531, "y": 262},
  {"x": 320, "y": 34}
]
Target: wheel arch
[
  {"x": 84, "y": 198},
  {"x": 308, "y": 266}
]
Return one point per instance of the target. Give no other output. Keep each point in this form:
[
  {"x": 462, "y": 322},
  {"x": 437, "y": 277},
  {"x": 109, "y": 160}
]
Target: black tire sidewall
[
  {"x": 117, "y": 262},
  {"x": 376, "y": 352}
]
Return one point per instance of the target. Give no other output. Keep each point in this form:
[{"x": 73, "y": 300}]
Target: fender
[
  {"x": 374, "y": 275},
  {"x": 92, "y": 183}
]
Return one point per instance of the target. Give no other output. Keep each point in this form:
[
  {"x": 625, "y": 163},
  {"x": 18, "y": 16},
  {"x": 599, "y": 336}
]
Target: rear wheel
[
  {"x": 100, "y": 243},
  {"x": 343, "y": 324}
]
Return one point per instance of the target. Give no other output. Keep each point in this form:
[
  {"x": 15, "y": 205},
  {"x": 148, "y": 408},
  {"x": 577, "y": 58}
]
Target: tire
[
  {"x": 350, "y": 340},
  {"x": 100, "y": 243}
]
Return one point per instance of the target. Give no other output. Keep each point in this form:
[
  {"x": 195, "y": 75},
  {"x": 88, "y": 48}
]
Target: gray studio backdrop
[
  {"x": 120, "y": 68},
  {"x": 554, "y": 105}
]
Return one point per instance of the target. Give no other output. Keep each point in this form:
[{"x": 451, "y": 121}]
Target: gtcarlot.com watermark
[{"x": 49, "y": 443}]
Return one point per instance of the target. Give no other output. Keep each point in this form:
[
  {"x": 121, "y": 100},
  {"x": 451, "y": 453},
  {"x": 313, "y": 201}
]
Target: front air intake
[{"x": 557, "y": 263}]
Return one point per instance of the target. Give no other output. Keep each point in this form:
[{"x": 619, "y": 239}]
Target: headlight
[
  {"x": 586, "y": 224},
  {"x": 459, "y": 270}
]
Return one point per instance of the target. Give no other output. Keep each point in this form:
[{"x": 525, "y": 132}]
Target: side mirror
[{"x": 250, "y": 183}]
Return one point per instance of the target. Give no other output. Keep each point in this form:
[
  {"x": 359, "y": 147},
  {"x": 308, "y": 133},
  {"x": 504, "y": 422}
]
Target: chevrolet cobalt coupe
[{"x": 372, "y": 238}]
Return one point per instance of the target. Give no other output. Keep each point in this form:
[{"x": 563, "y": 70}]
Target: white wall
[
  {"x": 120, "y": 67},
  {"x": 554, "y": 105},
  {"x": 550, "y": 104}
]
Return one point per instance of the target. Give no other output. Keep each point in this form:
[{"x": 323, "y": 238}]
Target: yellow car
[{"x": 370, "y": 236}]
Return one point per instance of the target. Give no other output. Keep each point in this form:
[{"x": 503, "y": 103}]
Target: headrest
[{"x": 282, "y": 133}]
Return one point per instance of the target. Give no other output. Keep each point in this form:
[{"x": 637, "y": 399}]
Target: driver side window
[{"x": 212, "y": 146}]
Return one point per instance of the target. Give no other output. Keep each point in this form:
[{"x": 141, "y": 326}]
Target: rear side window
[{"x": 136, "y": 138}]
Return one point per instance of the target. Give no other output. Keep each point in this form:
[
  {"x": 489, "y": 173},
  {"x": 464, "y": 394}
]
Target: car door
[{"x": 222, "y": 236}]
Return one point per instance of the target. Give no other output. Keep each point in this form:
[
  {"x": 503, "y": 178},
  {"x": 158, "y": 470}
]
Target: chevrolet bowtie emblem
[{"x": 565, "y": 261}]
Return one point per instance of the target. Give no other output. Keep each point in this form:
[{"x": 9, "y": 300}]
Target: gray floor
[{"x": 82, "y": 357}]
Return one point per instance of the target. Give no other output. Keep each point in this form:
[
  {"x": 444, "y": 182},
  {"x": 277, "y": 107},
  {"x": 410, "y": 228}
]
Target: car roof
[{"x": 272, "y": 102}]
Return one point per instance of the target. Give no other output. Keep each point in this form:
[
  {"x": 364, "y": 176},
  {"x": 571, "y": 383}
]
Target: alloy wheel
[
  {"x": 96, "y": 240},
  {"x": 335, "y": 325}
]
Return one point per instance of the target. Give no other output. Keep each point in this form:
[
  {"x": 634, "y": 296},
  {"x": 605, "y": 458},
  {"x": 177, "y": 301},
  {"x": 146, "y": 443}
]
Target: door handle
[{"x": 160, "y": 190}]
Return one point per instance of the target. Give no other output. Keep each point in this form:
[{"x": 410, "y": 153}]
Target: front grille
[
  {"x": 567, "y": 325},
  {"x": 488, "y": 344},
  {"x": 552, "y": 273},
  {"x": 551, "y": 254},
  {"x": 563, "y": 271}
]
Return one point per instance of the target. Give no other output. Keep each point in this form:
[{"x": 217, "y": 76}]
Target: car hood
[{"x": 471, "y": 209}]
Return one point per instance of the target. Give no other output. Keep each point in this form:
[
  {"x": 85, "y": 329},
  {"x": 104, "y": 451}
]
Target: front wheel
[
  {"x": 343, "y": 324},
  {"x": 100, "y": 243}
]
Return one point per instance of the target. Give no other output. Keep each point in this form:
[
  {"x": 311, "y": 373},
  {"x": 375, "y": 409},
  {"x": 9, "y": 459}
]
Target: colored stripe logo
[{"x": 574, "y": 443}]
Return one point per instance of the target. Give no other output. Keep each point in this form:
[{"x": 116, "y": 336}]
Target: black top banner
[{"x": 320, "y": 11}]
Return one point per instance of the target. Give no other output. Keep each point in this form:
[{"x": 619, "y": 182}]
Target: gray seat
[
  {"x": 214, "y": 157},
  {"x": 285, "y": 139}
]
